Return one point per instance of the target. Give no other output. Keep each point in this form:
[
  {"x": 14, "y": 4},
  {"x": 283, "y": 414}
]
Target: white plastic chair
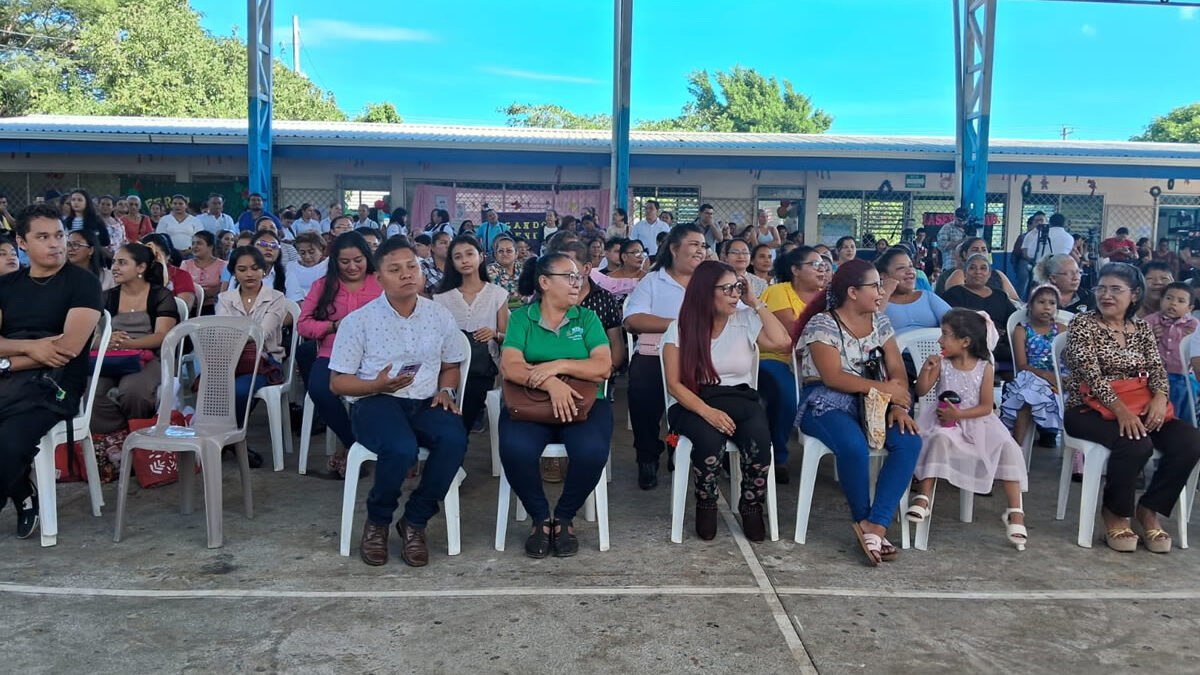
[
  {"x": 218, "y": 342},
  {"x": 306, "y": 422},
  {"x": 1095, "y": 459},
  {"x": 1016, "y": 318},
  {"x": 277, "y": 396},
  {"x": 359, "y": 453},
  {"x": 493, "y": 402},
  {"x": 814, "y": 450},
  {"x": 595, "y": 508},
  {"x": 199, "y": 299},
  {"x": 43, "y": 461},
  {"x": 683, "y": 464}
]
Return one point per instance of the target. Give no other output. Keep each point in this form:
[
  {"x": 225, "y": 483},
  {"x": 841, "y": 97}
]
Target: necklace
[{"x": 45, "y": 280}]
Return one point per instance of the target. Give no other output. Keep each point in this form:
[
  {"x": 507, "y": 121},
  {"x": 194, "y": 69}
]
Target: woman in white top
[
  {"x": 765, "y": 233},
  {"x": 620, "y": 226},
  {"x": 179, "y": 225},
  {"x": 480, "y": 308},
  {"x": 651, "y": 307},
  {"x": 300, "y": 275},
  {"x": 715, "y": 401},
  {"x": 258, "y": 301},
  {"x": 737, "y": 255}
]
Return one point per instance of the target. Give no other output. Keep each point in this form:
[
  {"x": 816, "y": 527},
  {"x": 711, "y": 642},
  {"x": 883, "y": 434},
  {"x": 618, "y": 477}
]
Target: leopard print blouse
[{"x": 1094, "y": 356}]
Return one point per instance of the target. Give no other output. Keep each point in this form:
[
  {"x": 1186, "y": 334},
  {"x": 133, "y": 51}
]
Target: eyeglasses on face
[
  {"x": 878, "y": 285},
  {"x": 75, "y": 246},
  {"x": 573, "y": 278},
  {"x": 1105, "y": 291},
  {"x": 268, "y": 244},
  {"x": 734, "y": 289},
  {"x": 818, "y": 265}
]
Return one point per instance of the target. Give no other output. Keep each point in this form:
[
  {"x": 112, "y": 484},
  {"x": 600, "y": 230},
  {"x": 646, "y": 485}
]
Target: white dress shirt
[
  {"x": 301, "y": 278},
  {"x": 180, "y": 231},
  {"x": 657, "y": 294},
  {"x": 1060, "y": 241},
  {"x": 215, "y": 224},
  {"x": 647, "y": 233}
]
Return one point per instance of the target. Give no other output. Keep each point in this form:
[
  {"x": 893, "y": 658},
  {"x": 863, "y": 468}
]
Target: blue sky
[{"x": 878, "y": 66}]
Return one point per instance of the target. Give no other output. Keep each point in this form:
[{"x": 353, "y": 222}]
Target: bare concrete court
[{"x": 279, "y": 598}]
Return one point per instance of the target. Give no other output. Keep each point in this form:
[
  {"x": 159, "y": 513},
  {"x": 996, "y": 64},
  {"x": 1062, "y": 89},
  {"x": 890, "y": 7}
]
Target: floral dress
[
  {"x": 507, "y": 281},
  {"x": 1028, "y": 389}
]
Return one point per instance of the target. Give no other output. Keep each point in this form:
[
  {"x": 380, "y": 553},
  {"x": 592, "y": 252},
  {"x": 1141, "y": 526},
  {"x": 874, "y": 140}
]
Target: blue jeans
[
  {"x": 1179, "y": 397},
  {"x": 843, "y": 434},
  {"x": 521, "y": 446},
  {"x": 328, "y": 406},
  {"x": 242, "y": 392},
  {"x": 777, "y": 386},
  {"x": 392, "y": 428}
]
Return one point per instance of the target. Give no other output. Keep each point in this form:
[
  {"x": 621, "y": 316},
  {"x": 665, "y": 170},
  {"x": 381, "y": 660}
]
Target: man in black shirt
[{"x": 48, "y": 313}]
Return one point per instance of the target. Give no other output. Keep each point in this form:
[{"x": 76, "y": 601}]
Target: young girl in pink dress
[{"x": 963, "y": 441}]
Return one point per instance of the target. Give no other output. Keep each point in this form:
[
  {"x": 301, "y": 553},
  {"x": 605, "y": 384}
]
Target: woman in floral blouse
[
  {"x": 504, "y": 272},
  {"x": 1112, "y": 344}
]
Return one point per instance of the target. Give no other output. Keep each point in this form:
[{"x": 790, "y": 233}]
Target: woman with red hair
[
  {"x": 715, "y": 336},
  {"x": 843, "y": 343}
]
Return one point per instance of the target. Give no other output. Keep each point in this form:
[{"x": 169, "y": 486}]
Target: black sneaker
[{"x": 27, "y": 514}]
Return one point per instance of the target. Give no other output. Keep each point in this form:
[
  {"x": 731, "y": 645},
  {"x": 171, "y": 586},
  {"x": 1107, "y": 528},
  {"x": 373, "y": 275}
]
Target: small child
[
  {"x": 1033, "y": 394},
  {"x": 966, "y": 444},
  {"x": 1172, "y": 324}
]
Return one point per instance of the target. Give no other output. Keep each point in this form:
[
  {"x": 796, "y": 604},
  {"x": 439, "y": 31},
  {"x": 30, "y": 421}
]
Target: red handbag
[{"x": 1134, "y": 392}]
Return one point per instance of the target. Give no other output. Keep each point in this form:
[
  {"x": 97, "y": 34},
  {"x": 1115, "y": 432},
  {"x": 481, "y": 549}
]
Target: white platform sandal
[
  {"x": 1016, "y": 532},
  {"x": 916, "y": 513}
]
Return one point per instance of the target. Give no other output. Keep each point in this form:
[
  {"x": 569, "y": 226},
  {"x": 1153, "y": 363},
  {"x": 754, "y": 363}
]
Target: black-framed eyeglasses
[
  {"x": 738, "y": 288},
  {"x": 573, "y": 278},
  {"x": 878, "y": 285}
]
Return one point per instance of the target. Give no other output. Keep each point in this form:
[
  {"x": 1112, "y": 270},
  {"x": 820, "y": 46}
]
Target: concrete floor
[{"x": 278, "y": 597}]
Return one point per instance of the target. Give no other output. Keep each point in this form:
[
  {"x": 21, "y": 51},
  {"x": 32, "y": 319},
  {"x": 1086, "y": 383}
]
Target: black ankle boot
[
  {"x": 648, "y": 475},
  {"x": 706, "y": 520}
]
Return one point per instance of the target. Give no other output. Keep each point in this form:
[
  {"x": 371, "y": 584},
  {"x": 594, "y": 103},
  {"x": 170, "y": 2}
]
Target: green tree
[
  {"x": 747, "y": 102},
  {"x": 134, "y": 57},
  {"x": 380, "y": 113},
  {"x": 1181, "y": 125}
]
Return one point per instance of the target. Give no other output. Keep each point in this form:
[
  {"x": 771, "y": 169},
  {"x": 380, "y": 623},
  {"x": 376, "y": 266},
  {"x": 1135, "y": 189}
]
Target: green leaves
[
  {"x": 380, "y": 113},
  {"x": 747, "y": 102},
  {"x": 1181, "y": 125}
]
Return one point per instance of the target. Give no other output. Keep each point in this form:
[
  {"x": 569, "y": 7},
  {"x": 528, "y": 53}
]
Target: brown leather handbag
[{"x": 525, "y": 404}]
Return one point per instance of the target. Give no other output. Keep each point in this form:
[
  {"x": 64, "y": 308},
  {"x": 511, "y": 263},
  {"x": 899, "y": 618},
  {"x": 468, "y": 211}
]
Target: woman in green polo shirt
[
  {"x": 549, "y": 337},
  {"x": 802, "y": 273}
]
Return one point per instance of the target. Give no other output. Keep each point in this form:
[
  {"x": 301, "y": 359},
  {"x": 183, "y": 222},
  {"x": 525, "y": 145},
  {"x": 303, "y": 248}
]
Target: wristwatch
[
  {"x": 5, "y": 365},
  {"x": 449, "y": 391}
]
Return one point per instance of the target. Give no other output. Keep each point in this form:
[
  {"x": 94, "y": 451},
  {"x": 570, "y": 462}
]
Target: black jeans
[
  {"x": 19, "y": 436},
  {"x": 646, "y": 406},
  {"x": 474, "y": 398},
  {"x": 1178, "y": 442},
  {"x": 752, "y": 436}
]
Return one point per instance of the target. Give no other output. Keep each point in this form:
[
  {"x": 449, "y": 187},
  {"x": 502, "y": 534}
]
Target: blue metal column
[
  {"x": 261, "y": 82},
  {"x": 622, "y": 40},
  {"x": 975, "y": 39}
]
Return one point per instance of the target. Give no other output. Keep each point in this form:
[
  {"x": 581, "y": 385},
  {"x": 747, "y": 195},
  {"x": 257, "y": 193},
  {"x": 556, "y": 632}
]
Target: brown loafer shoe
[
  {"x": 374, "y": 546},
  {"x": 414, "y": 551}
]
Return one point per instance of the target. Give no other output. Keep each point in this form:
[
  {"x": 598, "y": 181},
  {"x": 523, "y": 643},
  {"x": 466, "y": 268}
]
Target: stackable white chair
[
  {"x": 218, "y": 342},
  {"x": 814, "y": 450},
  {"x": 492, "y": 403},
  {"x": 277, "y": 397},
  {"x": 43, "y": 461},
  {"x": 683, "y": 463},
  {"x": 1019, "y": 317},
  {"x": 1095, "y": 459},
  {"x": 359, "y": 453},
  {"x": 306, "y": 422},
  {"x": 595, "y": 508}
]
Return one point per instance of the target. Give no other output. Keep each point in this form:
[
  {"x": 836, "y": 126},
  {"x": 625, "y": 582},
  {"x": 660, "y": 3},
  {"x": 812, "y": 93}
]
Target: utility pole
[
  {"x": 261, "y": 82},
  {"x": 296, "y": 45},
  {"x": 623, "y": 38},
  {"x": 1066, "y": 131}
]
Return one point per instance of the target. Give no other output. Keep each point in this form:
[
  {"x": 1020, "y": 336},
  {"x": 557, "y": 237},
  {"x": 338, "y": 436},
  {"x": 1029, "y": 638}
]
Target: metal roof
[{"x": 691, "y": 149}]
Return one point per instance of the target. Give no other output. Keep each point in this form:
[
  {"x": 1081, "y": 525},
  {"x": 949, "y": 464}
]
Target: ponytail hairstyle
[
  {"x": 666, "y": 258},
  {"x": 144, "y": 255},
  {"x": 784, "y": 262},
  {"x": 694, "y": 326},
  {"x": 536, "y": 268},
  {"x": 849, "y": 274},
  {"x": 970, "y": 325}
]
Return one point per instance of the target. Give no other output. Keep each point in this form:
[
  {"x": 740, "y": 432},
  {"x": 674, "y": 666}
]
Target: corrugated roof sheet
[{"x": 642, "y": 142}]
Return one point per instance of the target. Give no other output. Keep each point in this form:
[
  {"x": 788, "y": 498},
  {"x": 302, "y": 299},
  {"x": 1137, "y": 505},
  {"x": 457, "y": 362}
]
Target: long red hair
[
  {"x": 850, "y": 273},
  {"x": 695, "y": 326}
]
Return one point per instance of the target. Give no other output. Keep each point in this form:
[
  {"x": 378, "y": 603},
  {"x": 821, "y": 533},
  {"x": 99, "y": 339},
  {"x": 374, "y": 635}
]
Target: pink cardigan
[{"x": 343, "y": 303}]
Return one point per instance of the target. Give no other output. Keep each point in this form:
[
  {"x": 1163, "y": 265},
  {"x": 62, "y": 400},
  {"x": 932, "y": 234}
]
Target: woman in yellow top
[{"x": 802, "y": 273}]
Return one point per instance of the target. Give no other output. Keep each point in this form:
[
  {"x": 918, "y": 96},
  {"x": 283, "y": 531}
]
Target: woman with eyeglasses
[
  {"x": 83, "y": 250},
  {"x": 907, "y": 306},
  {"x": 841, "y": 341},
  {"x": 480, "y": 308},
  {"x": 178, "y": 281},
  {"x": 143, "y": 312},
  {"x": 708, "y": 357},
  {"x": 1109, "y": 345},
  {"x": 996, "y": 281},
  {"x": 736, "y": 253},
  {"x": 549, "y": 337},
  {"x": 652, "y": 306},
  {"x": 975, "y": 294},
  {"x": 505, "y": 271},
  {"x": 802, "y": 275},
  {"x": 268, "y": 244},
  {"x": 1062, "y": 271},
  {"x": 623, "y": 279}
]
